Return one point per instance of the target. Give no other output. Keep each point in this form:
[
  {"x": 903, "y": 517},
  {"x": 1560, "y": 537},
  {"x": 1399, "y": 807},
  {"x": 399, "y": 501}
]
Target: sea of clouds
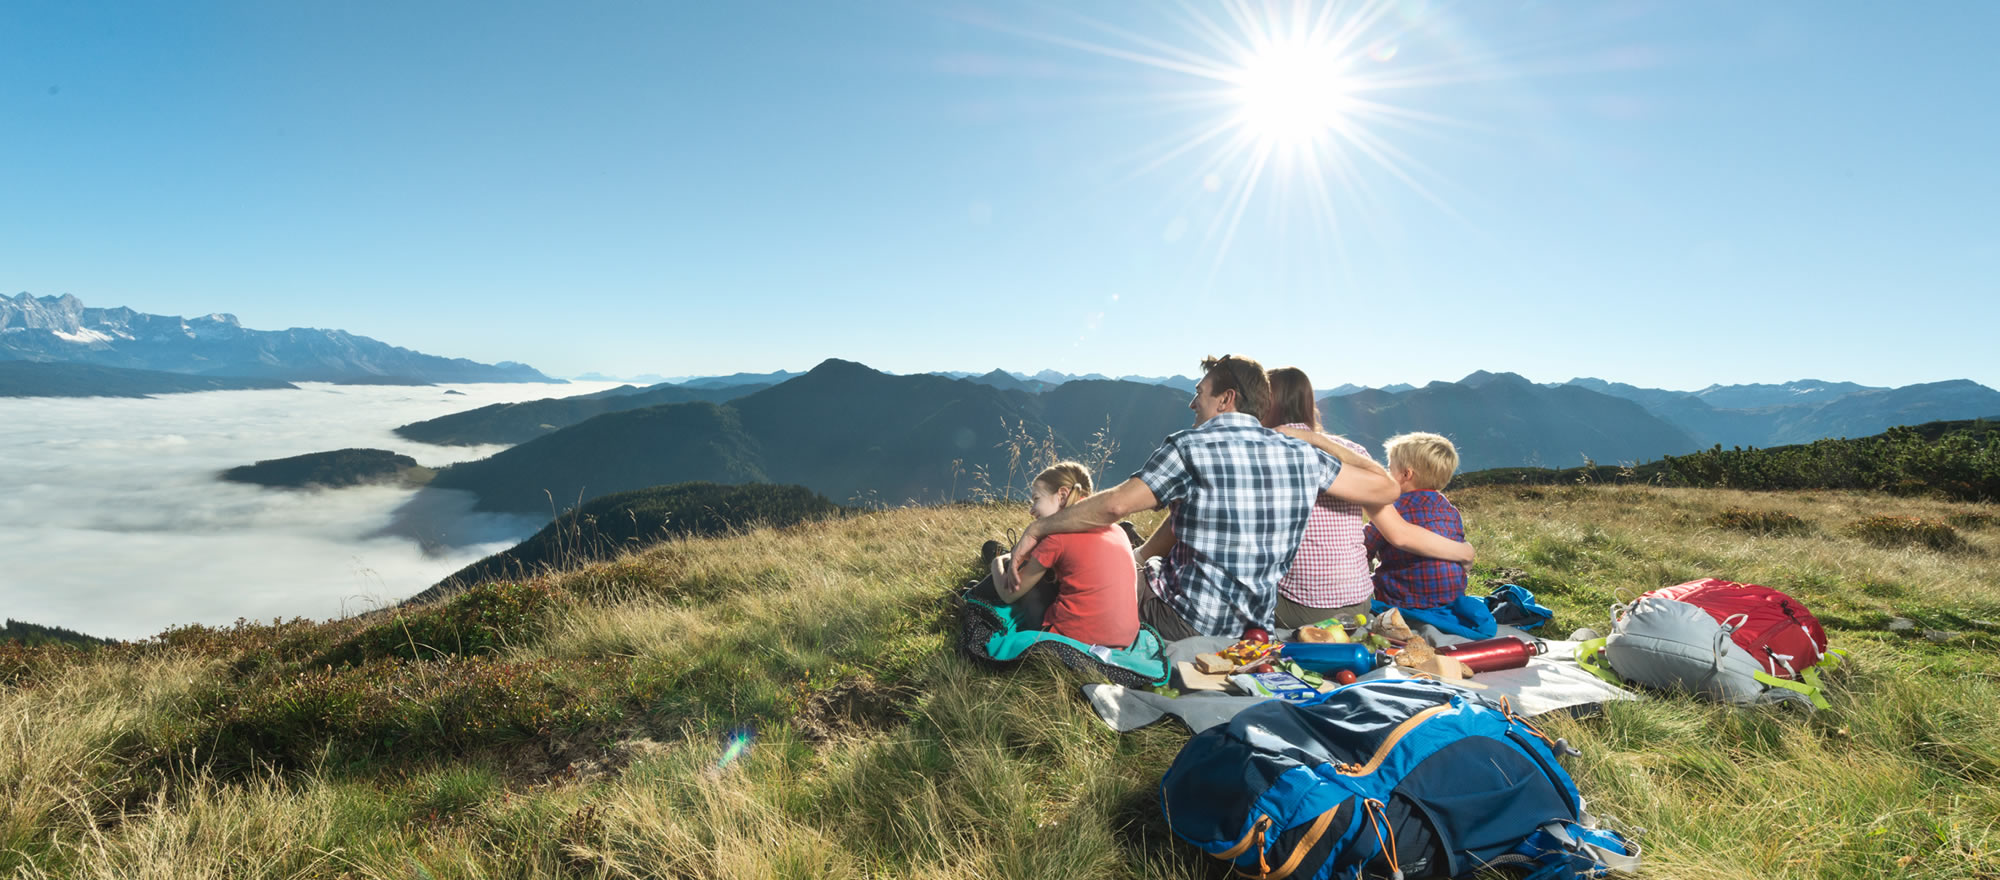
[{"x": 113, "y": 521}]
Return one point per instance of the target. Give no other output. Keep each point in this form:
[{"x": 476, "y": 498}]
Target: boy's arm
[{"x": 1412, "y": 538}]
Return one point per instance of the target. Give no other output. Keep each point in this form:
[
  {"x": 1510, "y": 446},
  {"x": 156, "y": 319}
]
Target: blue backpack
[{"x": 1399, "y": 778}]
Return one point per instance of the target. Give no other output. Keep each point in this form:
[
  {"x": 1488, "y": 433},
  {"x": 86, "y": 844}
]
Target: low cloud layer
[{"x": 112, "y": 521}]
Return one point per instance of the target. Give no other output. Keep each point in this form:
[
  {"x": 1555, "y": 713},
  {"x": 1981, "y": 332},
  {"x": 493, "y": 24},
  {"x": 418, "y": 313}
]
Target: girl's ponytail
[{"x": 1066, "y": 475}]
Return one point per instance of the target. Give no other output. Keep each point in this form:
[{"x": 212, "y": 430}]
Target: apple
[
  {"x": 1263, "y": 667},
  {"x": 1256, "y": 634},
  {"x": 1344, "y": 676}
]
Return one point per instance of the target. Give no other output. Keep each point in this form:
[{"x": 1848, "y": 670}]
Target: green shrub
[
  {"x": 394, "y": 709},
  {"x": 1760, "y": 522},
  {"x": 480, "y": 620},
  {"x": 21, "y": 663},
  {"x": 1972, "y": 520},
  {"x": 1906, "y": 531},
  {"x": 1957, "y": 460}
]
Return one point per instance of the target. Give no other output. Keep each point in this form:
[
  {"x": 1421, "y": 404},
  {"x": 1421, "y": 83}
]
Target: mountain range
[
  {"x": 62, "y": 330},
  {"x": 842, "y": 429},
  {"x": 1802, "y": 411},
  {"x": 511, "y": 423},
  {"x": 38, "y": 379},
  {"x": 855, "y": 434}
]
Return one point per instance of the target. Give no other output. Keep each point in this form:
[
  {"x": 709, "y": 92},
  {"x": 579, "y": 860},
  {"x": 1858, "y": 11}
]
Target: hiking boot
[
  {"x": 990, "y": 551},
  {"x": 1132, "y": 534}
]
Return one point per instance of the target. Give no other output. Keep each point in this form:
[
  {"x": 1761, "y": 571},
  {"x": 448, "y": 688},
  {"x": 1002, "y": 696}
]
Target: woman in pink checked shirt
[{"x": 1330, "y": 575}]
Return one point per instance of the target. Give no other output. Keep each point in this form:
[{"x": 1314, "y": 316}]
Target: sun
[
  {"x": 1293, "y": 95},
  {"x": 1298, "y": 105}
]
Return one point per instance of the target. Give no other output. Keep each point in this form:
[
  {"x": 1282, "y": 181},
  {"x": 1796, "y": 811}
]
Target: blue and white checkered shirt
[{"x": 1244, "y": 494}]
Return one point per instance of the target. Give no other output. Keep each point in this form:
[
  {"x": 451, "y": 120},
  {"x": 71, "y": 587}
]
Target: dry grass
[
  {"x": 58, "y": 772},
  {"x": 945, "y": 769}
]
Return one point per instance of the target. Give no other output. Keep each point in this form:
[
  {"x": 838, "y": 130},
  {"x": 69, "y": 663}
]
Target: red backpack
[
  {"x": 1780, "y": 634},
  {"x": 1739, "y": 643}
]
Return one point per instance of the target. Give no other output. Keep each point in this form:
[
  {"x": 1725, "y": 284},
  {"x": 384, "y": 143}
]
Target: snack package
[{"x": 1282, "y": 685}]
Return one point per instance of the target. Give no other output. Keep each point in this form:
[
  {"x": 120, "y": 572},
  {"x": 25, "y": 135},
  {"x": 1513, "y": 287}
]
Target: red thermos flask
[{"x": 1492, "y": 655}]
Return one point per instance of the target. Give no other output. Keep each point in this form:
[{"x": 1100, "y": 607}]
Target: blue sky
[{"x": 1671, "y": 194}]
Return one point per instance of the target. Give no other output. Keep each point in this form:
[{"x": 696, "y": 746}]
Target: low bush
[
  {"x": 392, "y": 709},
  {"x": 480, "y": 620},
  {"x": 1906, "y": 531},
  {"x": 1972, "y": 520},
  {"x": 1760, "y": 522}
]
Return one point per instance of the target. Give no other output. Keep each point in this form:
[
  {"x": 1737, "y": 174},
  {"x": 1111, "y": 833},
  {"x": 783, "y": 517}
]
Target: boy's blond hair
[{"x": 1430, "y": 457}]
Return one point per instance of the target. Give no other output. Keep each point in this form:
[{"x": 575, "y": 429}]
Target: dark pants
[
  {"x": 1156, "y": 613},
  {"x": 1292, "y": 615},
  {"x": 1028, "y": 610}
]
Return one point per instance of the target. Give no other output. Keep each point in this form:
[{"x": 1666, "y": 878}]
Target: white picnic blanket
[{"x": 1549, "y": 682}]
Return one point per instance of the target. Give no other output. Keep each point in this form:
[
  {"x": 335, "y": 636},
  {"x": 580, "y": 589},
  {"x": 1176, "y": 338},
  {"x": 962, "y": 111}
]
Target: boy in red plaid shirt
[{"x": 1428, "y": 590}]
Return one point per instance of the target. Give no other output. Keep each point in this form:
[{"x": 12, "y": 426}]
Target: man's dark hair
[{"x": 1243, "y": 376}]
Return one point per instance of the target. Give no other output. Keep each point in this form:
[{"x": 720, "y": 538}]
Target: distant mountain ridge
[
  {"x": 520, "y": 422},
  {"x": 41, "y": 379},
  {"x": 60, "y": 329},
  {"x": 1502, "y": 419},
  {"x": 1814, "y": 409},
  {"x": 854, "y": 433},
  {"x": 842, "y": 429},
  {"x": 1047, "y": 379}
]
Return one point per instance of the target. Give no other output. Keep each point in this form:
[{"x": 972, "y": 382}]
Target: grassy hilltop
[{"x": 592, "y": 723}]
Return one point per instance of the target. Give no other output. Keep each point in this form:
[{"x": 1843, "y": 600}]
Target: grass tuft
[
  {"x": 1906, "y": 531},
  {"x": 1760, "y": 522}
]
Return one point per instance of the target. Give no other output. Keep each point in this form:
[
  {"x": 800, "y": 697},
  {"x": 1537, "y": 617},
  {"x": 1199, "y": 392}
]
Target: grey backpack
[{"x": 1736, "y": 643}]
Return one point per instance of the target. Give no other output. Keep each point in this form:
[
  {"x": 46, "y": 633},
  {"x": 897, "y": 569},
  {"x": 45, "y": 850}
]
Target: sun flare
[
  {"x": 1296, "y": 105},
  {"x": 1293, "y": 94}
]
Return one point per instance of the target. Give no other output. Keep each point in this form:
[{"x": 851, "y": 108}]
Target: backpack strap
[
  {"x": 1590, "y": 656},
  {"x": 1809, "y": 686},
  {"x": 1808, "y": 683},
  {"x": 1253, "y": 837},
  {"x": 1291, "y": 862},
  {"x": 1563, "y": 850}
]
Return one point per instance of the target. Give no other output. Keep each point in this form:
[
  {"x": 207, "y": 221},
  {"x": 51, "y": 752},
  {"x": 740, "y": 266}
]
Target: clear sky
[{"x": 1665, "y": 193}]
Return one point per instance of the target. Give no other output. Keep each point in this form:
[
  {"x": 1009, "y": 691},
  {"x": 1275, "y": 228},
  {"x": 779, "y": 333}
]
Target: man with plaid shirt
[{"x": 1241, "y": 494}]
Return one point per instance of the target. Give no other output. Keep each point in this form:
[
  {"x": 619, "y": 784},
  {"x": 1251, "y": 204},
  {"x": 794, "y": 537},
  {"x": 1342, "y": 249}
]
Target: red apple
[
  {"x": 1263, "y": 667},
  {"x": 1344, "y": 676},
  {"x": 1256, "y": 634}
]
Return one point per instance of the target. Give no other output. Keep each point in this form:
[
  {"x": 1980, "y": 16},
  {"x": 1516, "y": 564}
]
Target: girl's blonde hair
[{"x": 1066, "y": 475}]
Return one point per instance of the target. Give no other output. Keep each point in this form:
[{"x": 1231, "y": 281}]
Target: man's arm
[
  {"x": 1366, "y": 486},
  {"x": 1360, "y": 480},
  {"x": 1413, "y": 538},
  {"x": 1348, "y": 457},
  {"x": 1095, "y": 512}
]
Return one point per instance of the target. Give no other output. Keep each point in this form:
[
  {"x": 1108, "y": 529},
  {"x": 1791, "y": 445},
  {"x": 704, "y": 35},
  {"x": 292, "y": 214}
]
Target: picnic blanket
[{"x": 1549, "y": 682}]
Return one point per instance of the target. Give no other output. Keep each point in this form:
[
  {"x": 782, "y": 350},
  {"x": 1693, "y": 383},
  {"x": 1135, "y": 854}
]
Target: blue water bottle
[{"x": 1330, "y": 657}]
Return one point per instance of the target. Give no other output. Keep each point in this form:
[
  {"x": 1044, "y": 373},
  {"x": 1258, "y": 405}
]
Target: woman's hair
[
  {"x": 1066, "y": 475},
  {"x": 1291, "y": 399}
]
